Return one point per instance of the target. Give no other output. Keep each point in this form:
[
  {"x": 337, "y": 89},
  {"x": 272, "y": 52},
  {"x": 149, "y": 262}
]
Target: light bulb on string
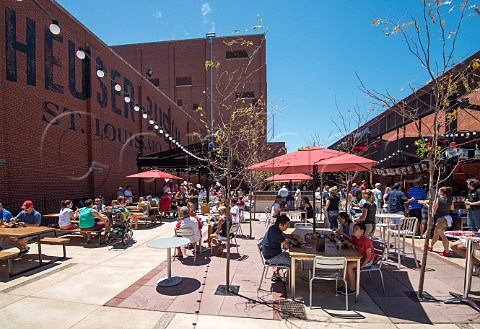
[
  {"x": 170, "y": 137},
  {"x": 117, "y": 87},
  {"x": 145, "y": 115},
  {"x": 54, "y": 27},
  {"x": 80, "y": 53},
  {"x": 166, "y": 135},
  {"x": 136, "y": 108},
  {"x": 151, "y": 121},
  {"x": 160, "y": 131},
  {"x": 474, "y": 133},
  {"x": 156, "y": 127},
  {"x": 100, "y": 72},
  {"x": 173, "y": 141},
  {"x": 127, "y": 98}
]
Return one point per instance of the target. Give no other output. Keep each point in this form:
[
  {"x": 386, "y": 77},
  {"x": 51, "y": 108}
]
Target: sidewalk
[{"x": 100, "y": 287}]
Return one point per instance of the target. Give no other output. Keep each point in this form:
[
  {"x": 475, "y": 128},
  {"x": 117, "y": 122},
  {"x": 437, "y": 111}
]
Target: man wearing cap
[
  {"x": 191, "y": 223},
  {"x": 396, "y": 200},
  {"x": 27, "y": 217},
  {"x": 120, "y": 192}
]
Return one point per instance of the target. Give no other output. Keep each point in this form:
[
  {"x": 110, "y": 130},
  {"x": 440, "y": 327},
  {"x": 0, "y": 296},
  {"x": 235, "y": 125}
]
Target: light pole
[{"x": 210, "y": 37}]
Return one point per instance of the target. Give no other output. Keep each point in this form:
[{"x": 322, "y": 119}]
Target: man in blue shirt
[
  {"x": 415, "y": 208},
  {"x": 272, "y": 244},
  {"x": 396, "y": 200},
  {"x": 27, "y": 217},
  {"x": 5, "y": 215}
]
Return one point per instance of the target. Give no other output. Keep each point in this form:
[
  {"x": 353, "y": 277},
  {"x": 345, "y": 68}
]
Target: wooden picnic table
[
  {"x": 24, "y": 232},
  {"x": 309, "y": 251}
]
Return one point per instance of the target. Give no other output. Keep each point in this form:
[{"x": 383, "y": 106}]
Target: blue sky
[{"x": 315, "y": 48}]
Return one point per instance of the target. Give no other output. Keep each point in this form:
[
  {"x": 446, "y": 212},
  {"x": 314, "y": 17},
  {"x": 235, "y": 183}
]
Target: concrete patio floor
[{"x": 115, "y": 286}]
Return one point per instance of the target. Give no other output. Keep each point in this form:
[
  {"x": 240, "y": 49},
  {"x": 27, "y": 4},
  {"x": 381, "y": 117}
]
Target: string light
[
  {"x": 151, "y": 121},
  {"x": 166, "y": 135},
  {"x": 145, "y": 115},
  {"x": 127, "y": 98},
  {"x": 54, "y": 27},
  {"x": 100, "y": 72},
  {"x": 81, "y": 53},
  {"x": 156, "y": 127},
  {"x": 117, "y": 87},
  {"x": 136, "y": 108},
  {"x": 160, "y": 131}
]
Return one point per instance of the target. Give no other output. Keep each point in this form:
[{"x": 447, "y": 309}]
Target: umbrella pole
[{"x": 315, "y": 169}]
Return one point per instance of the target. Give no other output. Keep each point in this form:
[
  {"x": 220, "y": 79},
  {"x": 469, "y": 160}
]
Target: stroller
[{"x": 121, "y": 229}]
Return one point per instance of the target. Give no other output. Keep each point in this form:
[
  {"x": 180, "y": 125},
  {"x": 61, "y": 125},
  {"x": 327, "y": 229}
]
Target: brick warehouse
[
  {"x": 66, "y": 132},
  {"x": 69, "y": 133}
]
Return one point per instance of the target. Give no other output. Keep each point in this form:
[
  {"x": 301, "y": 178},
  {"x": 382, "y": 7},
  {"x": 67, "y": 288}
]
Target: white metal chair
[
  {"x": 406, "y": 228},
  {"x": 188, "y": 232},
  {"x": 268, "y": 216},
  {"x": 233, "y": 235},
  {"x": 267, "y": 265},
  {"x": 380, "y": 251},
  {"x": 329, "y": 268},
  {"x": 295, "y": 216}
]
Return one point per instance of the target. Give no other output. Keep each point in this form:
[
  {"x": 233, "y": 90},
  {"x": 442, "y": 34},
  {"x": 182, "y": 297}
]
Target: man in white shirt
[
  {"x": 283, "y": 192},
  {"x": 234, "y": 211},
  {"x": 191, "y": 223},
  {"x": 378, "y": 195}
]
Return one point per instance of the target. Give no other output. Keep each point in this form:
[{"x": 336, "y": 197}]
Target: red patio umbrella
[
  {"x": 289, "y": 178},
  {"x": 154, "y": 174},
  {"x": 315, "y": 160}
]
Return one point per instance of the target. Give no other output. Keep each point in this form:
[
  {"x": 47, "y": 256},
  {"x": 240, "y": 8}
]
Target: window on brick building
[
  {"x": 245, "y": 95},
  {"x": 155, "y": 82},
  {"x": 236, "y": 54},
  {"x": 195, "y": 107},
  {"x": 183, "y": 81},
  {"x": 180, "y": 102}
]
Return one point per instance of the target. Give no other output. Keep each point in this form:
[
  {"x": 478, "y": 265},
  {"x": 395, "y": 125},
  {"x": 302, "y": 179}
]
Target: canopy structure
[
  {"x": 315, "y": 160},
  {"x": 154, "y": 174},
  {"x": 304, "y": 161},
  {"x": 288, "y": 178}
]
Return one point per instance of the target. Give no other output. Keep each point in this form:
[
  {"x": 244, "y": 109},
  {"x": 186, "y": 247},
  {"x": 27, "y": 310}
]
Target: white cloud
[
  {"x": 157, "y": 14},
  {"x": 206, "y": 9},
  {"x": 212, "y": 27}
]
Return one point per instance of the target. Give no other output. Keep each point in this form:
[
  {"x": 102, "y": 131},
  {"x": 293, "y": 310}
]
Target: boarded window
[
  {"x": 155, "y": 82},
  {"x": 245, "y": 94},
  {"x": 183, "y": 81},
  {"x": 236, "y": 54}
]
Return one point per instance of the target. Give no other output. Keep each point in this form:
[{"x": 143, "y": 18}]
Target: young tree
[
  {"x": 433, "y": 109},
  {"x": 237, "y": 137}
]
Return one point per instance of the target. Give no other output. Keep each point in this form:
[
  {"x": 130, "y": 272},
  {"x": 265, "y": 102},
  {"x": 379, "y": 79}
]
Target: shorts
[
  {"x": 282, "y": 259},
  {"x": 68, "y": 227},
  {"x": 369, "y": 229},
  {"x": 96, "y": 227},
  {"x": 441, "y": 224}
]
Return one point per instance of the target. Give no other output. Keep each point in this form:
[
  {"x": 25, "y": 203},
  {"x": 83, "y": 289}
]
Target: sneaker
[
  {"x": 430, "y": 248},
  {"x": 445, "y": 254},
  {"x": 23, "y": 252},
  {"x": 476, "y": 270},
  {"x": 341, "y": 290}
]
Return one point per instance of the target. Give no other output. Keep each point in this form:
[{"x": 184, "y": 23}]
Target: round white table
[
  {"x": 470, "y": 238},
  {"x": 168, "y": 243}
]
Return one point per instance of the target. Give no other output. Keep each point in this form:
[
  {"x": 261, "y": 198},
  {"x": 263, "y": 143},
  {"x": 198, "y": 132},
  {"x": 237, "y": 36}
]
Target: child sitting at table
[
  {"x": 364, "y": 247},
  {"x": 346, "y": 224}
]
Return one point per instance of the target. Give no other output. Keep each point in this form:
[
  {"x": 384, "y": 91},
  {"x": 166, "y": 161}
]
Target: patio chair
[
  {"x": 329, "y": 268},
  {"x": 268, "y": 265},
  {"x": 188, "y": 232},
  {"x": 233, "y": 235},
  {"x": 406, "y": 228},
  {"x": 380, "y": 254},
  {"x": 268, "y": 215},
  {"x": 295, "y": 216}
]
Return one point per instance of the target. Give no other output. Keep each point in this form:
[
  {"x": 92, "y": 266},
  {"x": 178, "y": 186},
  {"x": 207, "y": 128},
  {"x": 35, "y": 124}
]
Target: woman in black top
[
  {"x": 306, "y": 206},
  {"x": 442, "y": 206},
  {"x": 369, "y": 209},
  {"x": 331, "y": 207},
  {"x": 473, "y": 204}
]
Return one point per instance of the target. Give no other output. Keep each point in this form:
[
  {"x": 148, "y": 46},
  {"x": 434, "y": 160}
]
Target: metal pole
[{"x": 315, "y": 170}]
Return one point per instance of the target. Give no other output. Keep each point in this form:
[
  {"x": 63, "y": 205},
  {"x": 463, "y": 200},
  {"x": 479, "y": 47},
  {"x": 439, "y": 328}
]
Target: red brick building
[{"x": 67, "y": 133}]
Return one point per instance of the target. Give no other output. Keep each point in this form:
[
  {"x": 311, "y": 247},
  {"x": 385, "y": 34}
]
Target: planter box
[{"x": 204, "y": 209}]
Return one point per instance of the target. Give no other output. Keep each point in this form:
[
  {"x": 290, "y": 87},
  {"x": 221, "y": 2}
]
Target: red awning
[
  {"x": 289, "y": 178},
  {"x": 154, "y": 174}
]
